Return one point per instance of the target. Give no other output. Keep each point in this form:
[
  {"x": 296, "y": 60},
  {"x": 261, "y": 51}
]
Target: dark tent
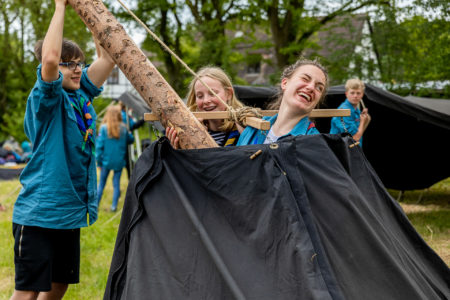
[
  {"x": 406, "y": 143},
  {"x": 306, "y": 219},
  {"x": 135, "y": 102}
]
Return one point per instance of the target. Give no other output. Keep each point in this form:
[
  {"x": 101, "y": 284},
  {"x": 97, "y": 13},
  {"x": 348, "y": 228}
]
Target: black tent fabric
[
  {"x": 306, "y": 219},
  {"x": 406, "y": 143}
]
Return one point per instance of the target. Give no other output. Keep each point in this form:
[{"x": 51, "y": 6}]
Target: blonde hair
[
  {"x": 218, "y": 74},
  {"x": 290, "y": 70},
  {"x": 354, "y": 84},
  {"x": 113, "y": 120}
]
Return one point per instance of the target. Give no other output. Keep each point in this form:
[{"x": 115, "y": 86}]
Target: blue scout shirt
[
  {"x": 111, "y": 152},
  {"x": 59, "y": 182},
  {"x": 252, "y": 135},
  {"x": 351, "y": 122},
  {"x": 130, "y": 123}
]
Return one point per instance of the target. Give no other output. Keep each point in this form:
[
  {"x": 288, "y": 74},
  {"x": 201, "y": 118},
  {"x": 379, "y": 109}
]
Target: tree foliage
[
  {"x": 411, "y": 42},
  {"x": 414, "y": 52},
  {"x": 22, "y": 23}
]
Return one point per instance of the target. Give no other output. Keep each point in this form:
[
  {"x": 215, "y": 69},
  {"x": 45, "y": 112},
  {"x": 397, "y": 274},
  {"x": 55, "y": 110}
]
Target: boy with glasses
[{"x": 59, "y": 182}]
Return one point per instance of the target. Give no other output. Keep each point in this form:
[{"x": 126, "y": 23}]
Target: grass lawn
[{"x": 431, "y": 218}]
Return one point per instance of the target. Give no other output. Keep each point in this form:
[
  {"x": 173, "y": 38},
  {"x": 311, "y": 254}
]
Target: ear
[
  {"x": 229, "y": 94},
  {"x": 347, "y": 94},
  {"x": 283, "y": 83}
]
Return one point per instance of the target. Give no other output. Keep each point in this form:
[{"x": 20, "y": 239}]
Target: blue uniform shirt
[
  {"x": 130, "y": 122},
  {"x": 252, "y": 135},
  {"x": 351, "y": 123},
  {"x": 59, "y": 182},
  {"x": 110, "y": 151}
]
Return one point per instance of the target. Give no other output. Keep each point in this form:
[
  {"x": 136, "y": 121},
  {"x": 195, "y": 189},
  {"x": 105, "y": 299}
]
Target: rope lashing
[{"x": 238, "y": 116}]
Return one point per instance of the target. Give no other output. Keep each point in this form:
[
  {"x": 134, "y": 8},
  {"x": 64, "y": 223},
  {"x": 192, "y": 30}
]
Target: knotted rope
[
  {"x": 237, "y": 115},
  {"x": 240, "y": 115}
]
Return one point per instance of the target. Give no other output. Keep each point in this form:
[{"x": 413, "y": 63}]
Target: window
[
  {"x": 114, "y": 76},
  {"x": 254, "y": 67}
]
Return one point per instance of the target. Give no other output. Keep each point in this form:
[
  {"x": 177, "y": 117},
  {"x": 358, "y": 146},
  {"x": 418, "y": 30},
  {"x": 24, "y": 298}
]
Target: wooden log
[{"x": 154, "y": 89}]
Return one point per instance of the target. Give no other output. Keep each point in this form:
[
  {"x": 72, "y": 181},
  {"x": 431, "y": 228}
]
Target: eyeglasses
[{"x": 71, "y": 65}]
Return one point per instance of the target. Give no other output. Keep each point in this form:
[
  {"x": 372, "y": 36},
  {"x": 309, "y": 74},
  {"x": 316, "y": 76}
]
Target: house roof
[{"x": 342, "y": 33}]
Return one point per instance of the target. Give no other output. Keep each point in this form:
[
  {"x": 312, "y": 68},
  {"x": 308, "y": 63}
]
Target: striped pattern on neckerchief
[{"x": 84, "y": 120}]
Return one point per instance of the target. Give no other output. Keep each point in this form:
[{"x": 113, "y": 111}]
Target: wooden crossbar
[{"x": 256, "y": 122}]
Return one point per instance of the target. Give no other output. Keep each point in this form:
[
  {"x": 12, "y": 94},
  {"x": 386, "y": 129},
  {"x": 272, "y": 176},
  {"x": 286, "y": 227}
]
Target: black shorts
[{"x": 43, "y": 256}]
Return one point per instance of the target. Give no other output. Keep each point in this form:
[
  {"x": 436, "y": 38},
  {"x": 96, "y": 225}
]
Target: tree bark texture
[{"x": 145, "y": 78}]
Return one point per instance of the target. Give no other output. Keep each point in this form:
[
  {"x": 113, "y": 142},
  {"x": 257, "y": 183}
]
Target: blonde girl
[{"x": 112, "y": 144}]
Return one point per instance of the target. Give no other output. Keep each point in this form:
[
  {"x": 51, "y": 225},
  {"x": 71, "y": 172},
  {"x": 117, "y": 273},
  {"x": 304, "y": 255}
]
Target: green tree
[
  {"x": 162, "y": 17},
  {"x": 293, "y": 23},
  {"x": 211, "y": 17},
  {"x": 412, "y": 51}
]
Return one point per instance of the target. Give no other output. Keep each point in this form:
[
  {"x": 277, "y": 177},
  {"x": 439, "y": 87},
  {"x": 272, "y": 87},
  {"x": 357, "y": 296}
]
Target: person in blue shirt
[
  {"x": 131, "y": 125},
  {"x": 200, "y": 98},
  {"x": 356, "y": 124},
  {"x": 303, "y": 85},
  {"x": 112, "y": 144},
  {"x": 26, "y": 148},
  {"x": 58, "y": 194}
]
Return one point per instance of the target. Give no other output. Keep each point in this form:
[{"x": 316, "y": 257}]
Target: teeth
[{"x": 305, "y": 96}]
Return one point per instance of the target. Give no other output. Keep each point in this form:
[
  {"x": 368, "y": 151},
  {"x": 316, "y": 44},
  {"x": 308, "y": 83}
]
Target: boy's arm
[
  {"x": 365, "y": 120},
  {"x": 100, "y": 69},
  {"x": 51, "y": 47}
]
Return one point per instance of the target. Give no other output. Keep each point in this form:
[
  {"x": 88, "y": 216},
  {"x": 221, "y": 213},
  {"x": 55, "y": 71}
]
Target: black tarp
[
  {"x": 306, "y": 219},
  {"x": 406, "y": 143}
]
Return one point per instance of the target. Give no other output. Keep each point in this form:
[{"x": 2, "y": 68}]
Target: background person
[
  {"x": 59, "y": 182},
  {"x": 356, "y": 124},
  {"x": 131, "y": 125},
  {"x": 112, "y": 144}
]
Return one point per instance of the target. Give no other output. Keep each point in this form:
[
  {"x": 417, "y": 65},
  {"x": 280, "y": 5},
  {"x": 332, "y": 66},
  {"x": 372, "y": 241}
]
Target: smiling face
[
  {"x": 354, "y": 96},
  {"x": 205, "y": 100},
  {"x": 71, "y": 78},
  {"x": 303, "y": 90}
]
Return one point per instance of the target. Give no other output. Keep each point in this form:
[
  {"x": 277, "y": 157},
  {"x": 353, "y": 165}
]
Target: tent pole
[
  {"x": 400, "y": 196},
  {"x": 421, "y": 196}
]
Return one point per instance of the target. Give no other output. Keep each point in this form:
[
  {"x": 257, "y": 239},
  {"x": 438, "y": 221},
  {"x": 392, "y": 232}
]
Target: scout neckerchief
[
  {"x": 302, "y": 128},
  {"x": 84, "y": 120}
]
